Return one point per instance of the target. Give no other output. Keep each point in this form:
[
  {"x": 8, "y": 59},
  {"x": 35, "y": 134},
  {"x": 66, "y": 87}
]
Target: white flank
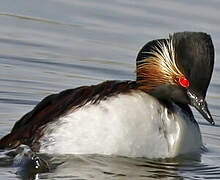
[{"x": 134, "y": 125}]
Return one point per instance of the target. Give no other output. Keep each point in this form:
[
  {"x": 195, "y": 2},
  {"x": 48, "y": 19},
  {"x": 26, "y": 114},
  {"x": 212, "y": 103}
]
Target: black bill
[{"x": 200, "y": 104}]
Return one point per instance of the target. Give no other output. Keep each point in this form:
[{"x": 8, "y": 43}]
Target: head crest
[{"x": 159, "y": 66}]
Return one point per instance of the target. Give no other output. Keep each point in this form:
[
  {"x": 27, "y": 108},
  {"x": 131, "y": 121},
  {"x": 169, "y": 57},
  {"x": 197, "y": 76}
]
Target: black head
[{"x": 178, "y": 69}]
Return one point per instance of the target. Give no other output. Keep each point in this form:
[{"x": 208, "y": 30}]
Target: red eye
[{"x": 184, "y": 82}]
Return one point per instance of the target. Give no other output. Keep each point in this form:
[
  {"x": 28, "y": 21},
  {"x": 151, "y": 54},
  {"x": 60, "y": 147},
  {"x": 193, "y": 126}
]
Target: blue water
[{"x": 50, "y": 45}]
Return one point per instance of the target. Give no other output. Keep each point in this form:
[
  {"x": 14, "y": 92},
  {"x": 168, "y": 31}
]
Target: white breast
[{"x": 133, "y": 124}]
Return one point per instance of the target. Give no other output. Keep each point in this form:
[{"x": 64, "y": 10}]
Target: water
[{"x": 51, "y": 45}]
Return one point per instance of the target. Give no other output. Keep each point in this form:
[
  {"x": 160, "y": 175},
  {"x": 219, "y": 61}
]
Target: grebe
[{"x": 149, "y": 117}]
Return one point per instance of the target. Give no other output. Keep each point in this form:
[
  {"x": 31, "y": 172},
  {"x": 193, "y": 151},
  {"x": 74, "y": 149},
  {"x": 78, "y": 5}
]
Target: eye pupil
[{"x": 184, "y": 82}]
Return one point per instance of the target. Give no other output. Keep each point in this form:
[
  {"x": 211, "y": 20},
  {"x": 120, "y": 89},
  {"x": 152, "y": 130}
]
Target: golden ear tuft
[{"x": 159, "y": 67}]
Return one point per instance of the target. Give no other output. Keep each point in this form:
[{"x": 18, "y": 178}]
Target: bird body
[
  {"x": 134, "y": 124},
  {"x": 149, "y": 117}
]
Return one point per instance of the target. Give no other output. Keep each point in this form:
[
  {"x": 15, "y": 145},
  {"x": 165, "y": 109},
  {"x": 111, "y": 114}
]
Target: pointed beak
[{"x": 200, "y": 104}]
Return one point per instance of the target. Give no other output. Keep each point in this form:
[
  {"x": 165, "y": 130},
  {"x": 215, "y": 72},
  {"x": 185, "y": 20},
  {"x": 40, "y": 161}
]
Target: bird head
[{"x": 178, "y": 69}]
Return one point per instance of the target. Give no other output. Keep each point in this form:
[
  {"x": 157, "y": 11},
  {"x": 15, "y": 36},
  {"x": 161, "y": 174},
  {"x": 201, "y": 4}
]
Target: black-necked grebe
[{"x": 148, "y": 117}]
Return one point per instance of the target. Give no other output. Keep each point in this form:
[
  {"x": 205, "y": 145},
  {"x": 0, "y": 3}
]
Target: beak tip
[{"x": 212, "y": 122}]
